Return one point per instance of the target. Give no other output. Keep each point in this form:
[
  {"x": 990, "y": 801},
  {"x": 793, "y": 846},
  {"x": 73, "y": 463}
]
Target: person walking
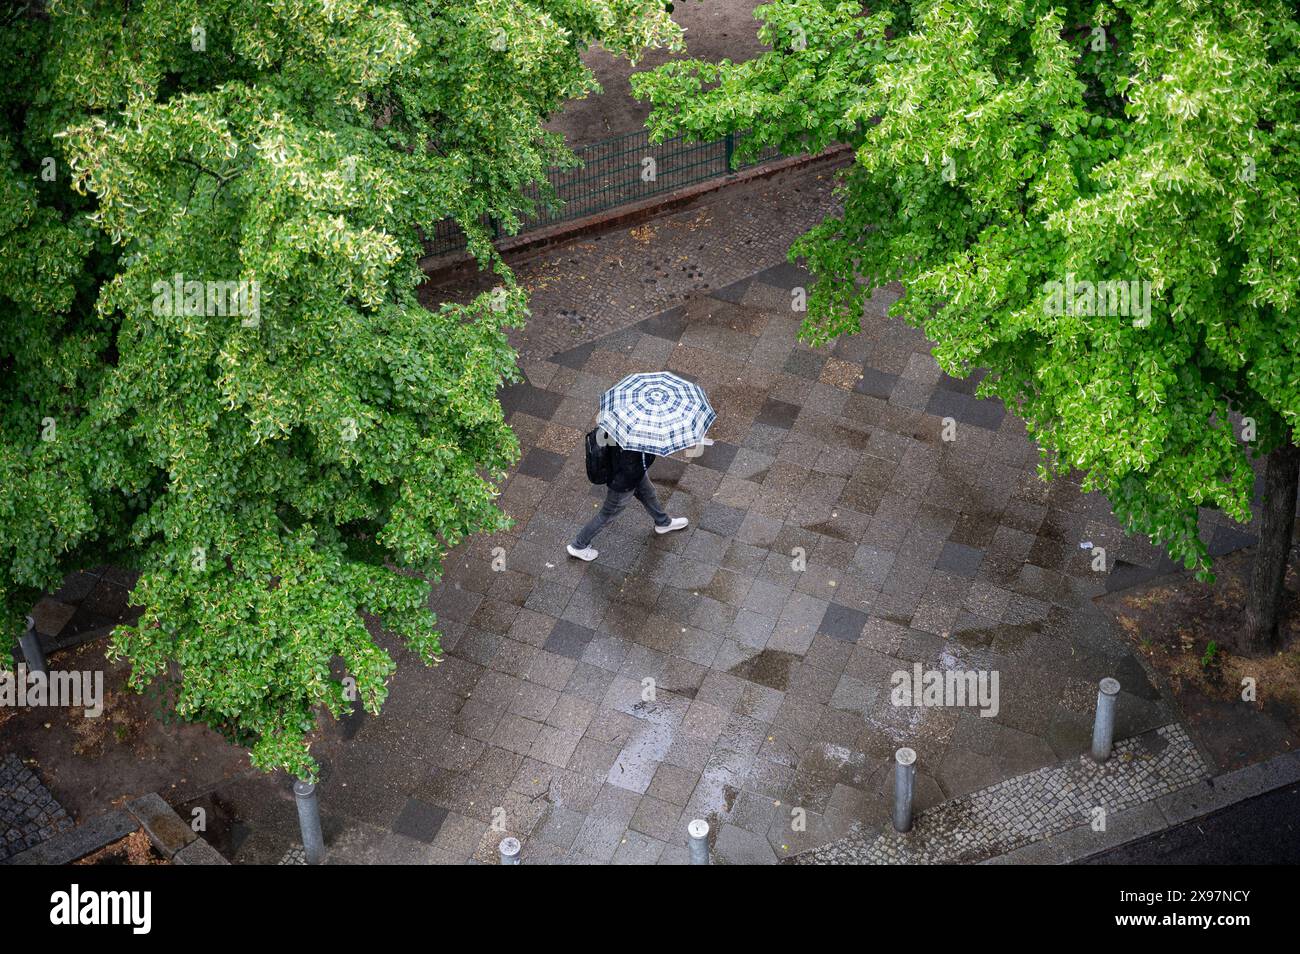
[
  {"x": 631, "y": 478},
  {"x": 643, "y": 417}
]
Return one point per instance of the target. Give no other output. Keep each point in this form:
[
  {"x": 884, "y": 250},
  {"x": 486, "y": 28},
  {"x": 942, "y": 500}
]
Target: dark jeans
[{"x": 615, "y": 501}]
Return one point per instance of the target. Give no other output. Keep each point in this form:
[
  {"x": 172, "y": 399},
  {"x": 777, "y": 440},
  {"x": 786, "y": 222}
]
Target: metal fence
[{"x": 615, "y": 172}]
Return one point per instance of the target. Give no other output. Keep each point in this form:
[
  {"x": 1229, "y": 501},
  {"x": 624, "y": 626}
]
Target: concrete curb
[
  {"x": 443, "y": 267},
  {"x": 86, "y": 839},
  {"x": 171, "y": 837},
  {"x": 1168, "y": 811},
  {"x": 164, "y": 827}
]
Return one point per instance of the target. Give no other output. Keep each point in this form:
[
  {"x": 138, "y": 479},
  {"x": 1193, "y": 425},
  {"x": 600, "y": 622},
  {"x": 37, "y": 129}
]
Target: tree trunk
[{"x": 1277, "y": 522}]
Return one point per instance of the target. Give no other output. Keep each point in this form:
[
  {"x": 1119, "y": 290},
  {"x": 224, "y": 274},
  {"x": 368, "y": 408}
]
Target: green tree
[
  {"x": 1010, "y": 151},
  {"x": 215, "y": 367}
]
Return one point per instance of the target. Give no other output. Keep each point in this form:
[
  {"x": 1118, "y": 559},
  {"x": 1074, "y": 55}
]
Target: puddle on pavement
[
  {"x": 915, "y": 726},
  {"x": 770, "y": 668},
  {"x": 715, "y": 805},
  {"x": 1005, "y": 640},
  {"x": 824, "y": 766}
]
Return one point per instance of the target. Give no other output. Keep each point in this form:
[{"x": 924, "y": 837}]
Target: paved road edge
[{"x": 1188, "y": 804}]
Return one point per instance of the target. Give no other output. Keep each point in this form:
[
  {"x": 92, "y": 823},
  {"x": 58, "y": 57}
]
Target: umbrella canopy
[{"x": 657, "y": 413}]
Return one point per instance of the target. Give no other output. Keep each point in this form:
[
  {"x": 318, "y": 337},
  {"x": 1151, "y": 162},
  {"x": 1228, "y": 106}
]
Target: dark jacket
[{"x": 629, "y": 469}]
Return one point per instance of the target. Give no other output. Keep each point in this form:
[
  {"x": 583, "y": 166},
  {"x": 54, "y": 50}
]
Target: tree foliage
[
  {"x": 283, "y": 466},
  {"x": 1006, "y": 149}
]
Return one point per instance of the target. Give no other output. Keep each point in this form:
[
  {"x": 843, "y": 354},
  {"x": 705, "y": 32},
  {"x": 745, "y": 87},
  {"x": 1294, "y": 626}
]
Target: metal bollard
[
  {"x": 1103, "y": 730},
  {"x": 31, "y": 647},
  {"x": 904, "y": 785},
  {"x": 313, "y": 841},
  {"x": 698, "y": 832},
  {"x": 509, "y": 850}
]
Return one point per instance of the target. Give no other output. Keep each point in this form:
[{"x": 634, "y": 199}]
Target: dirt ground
[
  {"x": 715, "y": 29},
  {"x": 1184, "y": 629},
  {"x": 129, "y": 750}
]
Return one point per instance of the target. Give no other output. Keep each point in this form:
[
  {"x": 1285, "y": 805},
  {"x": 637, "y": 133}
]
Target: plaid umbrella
[{"x": 656, "y": 413}]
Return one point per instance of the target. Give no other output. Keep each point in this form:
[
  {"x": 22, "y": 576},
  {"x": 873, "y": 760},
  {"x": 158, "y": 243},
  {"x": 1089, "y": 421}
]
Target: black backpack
[{"x": 600, "y": 459}]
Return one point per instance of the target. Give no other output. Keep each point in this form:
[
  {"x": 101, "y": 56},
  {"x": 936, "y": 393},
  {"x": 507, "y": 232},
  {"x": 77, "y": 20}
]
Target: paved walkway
[
  {"x": 835, "y": 539},
  {"x": 741, "y": 670}
]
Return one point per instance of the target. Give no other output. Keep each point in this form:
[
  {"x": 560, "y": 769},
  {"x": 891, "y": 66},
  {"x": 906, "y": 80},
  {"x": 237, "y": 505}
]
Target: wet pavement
[
  {"x": 1078, "y": 795},
  {"x": 740, "y": 671}
]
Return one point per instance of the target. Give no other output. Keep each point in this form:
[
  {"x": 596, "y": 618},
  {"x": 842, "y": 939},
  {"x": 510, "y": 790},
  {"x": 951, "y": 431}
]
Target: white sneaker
[
  {"x": 589, "y": 554},
  {"x": 678, "y": 523}
]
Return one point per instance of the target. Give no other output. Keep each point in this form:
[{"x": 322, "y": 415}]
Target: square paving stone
[
  {"x": 717, "y": 456},
  {"x": 706, "y": 547},
  {"x": 668, "y": 325},
  {"x": 765, "y": 439},
  {"x": 776, "y": 413},
  {"x": 516, "y": 734},
  {"x": 805, "y": 364},
  {"x": 572, "y": 712},
  {"x": 737, "y": 846},
  {"x": 673, "y": 783},
  {"x": 966, "y": 409},
  {"x": 719, "y": 518},
  {"x": 568, "y": 639},
  {"x": 657, "y": 819},
  {"x": 543, "y": 464},
  {"x": 752, "y": 629},
  {"x": 876, "y": 384},
  {"x": 576, "y": 358},
  {"x": 419, "y": 820},
  {"x": 534, "y": 701},
  {"x": 551, "y": 670},
  {"x": 733, "y": 292},
  {"x": 560, "y": 826},
  {"x": 592, "y": 758},
  {"x": 589, "y": 682},
  {"x": 966, "y": 385},
  {"x": 555, "y": 746},
  {"x": 767, "y": 599},
  {"x": 785, "y": 275},
  {"x": 843, "y": 622},
  {"x": 959, "y": 559},
  {"x": 478, "y": 720},
  {"x": 637, "y": 849},
  {"x": 530, "y": 400},
  {"x": 744, "y": 558}
]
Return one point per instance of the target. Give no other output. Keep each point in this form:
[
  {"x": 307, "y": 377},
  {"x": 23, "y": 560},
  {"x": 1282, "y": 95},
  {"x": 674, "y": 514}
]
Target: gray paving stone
[
  {"x": 1031, "y": 808},
  {"x": 165, "y": 828}
]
